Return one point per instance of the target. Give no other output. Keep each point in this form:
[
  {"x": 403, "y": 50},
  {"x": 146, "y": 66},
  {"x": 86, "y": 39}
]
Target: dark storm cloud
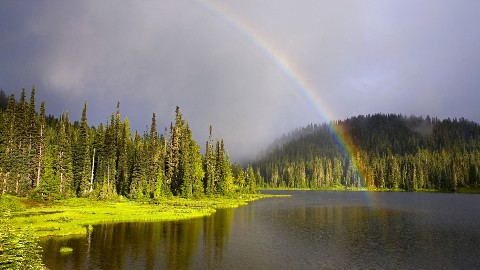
[{"x": 412, "y": 57}]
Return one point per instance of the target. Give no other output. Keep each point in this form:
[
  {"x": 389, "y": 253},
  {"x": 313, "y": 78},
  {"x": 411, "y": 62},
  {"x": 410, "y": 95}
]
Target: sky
[{"x": 254, "y": 70}]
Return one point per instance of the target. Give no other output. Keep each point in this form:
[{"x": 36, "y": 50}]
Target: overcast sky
[{"x": 417, "y": 57}]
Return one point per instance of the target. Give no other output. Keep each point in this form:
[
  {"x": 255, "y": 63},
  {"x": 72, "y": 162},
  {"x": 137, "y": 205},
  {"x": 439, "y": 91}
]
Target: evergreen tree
[
  {"x": 99, "y": 158},
  {"x": 3, "y": 100},
  {"x": 122, "y": 170},
  {"x": 174, "y": 154},
  {"x": 49, "y": 188},
  {"x": 82, "y": 162},
  {"x": 22, "y": 169},
  {"x": 186, "y": 167},
  {"x": 240, "y": 182},
  {"x": 219, "y": 175},
  {"x": 64, "y": 160},
  {"x": 228, "y": 182},
  {"x": 250, "y": 180},
  {"x": 41, "y": 144},
  {"x": 153, "y": 159},
  {"x": 9, "y": 150},
  {"x": 209, "y": 166},
  {"x": 138, "y": 179},
  {"x": 33, "y": 136}
]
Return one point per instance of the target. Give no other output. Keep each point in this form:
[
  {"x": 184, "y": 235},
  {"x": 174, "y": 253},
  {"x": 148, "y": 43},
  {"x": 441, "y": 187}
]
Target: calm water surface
[{"x": 310, "y": 230}]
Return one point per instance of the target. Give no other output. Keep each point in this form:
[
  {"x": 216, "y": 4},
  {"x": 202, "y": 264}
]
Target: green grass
[
  {"x": 75, "y": 216},
  {"x": 467, "y": 190},
  {"x": 66, "y": 250}
]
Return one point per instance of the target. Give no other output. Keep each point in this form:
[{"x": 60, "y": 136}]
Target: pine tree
[
  {"x": 219, "y": 167},
  {"x": 192, "y": 169},
  {"x": 109, "y": 161},
  {"x": 49, "y": 187},
  {"x": 209, "y": 166},
  {"x": 8, "y": 148},
  {"x": 250, "y": 180},
  {"x": 228, "y": 183},
  {"x": 64, "y": 160},
  {"x": 197, "y": 172},
  {"x": 186, "y": 170},
  {"x": 3, "y": 100},
  {"x": 153, "y": 158},
  {"x": 137, "y": 185},
  {"x": 99, "y": 158},
  {"x": 41, "y": 144},
  {"x": 34, "y": 140},
  {"x": 337, "y": 172},
  {"x": 83, "y": 161},
  {"x": 161, "y": 186},
  {"x": 240, "y": 180},
  {"x": 174, "y": 154},
  {"x": 122, "y": 170},
  {"x": 259, "y": 178},
  {"x": 22, "y": 168}
]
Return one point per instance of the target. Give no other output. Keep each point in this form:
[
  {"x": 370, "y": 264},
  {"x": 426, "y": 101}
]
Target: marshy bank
[{"x": 76, "y": 215}]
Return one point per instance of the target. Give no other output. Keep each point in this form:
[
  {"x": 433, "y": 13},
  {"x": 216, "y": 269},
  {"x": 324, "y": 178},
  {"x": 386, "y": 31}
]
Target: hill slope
[{"x": 385, "y": 151}]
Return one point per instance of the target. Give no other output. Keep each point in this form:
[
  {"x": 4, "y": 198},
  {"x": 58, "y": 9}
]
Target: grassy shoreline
[
  {"x": 75, "y": 216},
  {"x": 462, "y": 190}
]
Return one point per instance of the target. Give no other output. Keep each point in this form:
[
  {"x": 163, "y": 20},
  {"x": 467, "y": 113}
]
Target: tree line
[
  {"x": 384, "y": 151},
  {"x": 47, "y": 158}
]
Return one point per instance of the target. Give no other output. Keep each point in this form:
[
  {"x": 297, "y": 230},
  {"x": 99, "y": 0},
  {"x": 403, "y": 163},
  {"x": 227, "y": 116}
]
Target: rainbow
[{"x": 300, "y": 82}]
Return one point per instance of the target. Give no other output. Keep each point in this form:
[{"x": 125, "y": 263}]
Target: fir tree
[
  {"x": 41, "y": 144},
  {"x": 82, "y": 162},
  {"x": 250, "y": 180},
  {"x": 209, "y": 166},
  {"x": 64, "y": 160}
]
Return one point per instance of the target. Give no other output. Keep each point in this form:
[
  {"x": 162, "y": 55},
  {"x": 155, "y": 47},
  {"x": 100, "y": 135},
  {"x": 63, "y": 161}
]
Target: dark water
[{"x": 311, "y": 230}]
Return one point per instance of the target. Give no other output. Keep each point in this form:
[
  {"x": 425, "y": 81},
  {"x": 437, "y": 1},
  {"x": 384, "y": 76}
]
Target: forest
[
  {"x": 383, "y": 152},
  {"x": 47, "y": 158}
]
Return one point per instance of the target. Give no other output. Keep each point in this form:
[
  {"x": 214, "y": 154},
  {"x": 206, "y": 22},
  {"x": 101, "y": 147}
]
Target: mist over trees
[
  {"x": 385, "y": 151},
  {"x": 48, "y": 158}
]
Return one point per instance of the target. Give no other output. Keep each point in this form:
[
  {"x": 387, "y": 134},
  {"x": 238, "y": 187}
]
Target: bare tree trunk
[
  {"x": 16, "y": 185},
  {"x": 93, "y": 166},
  {"x": 39, "y": 168},
  {"x": 61, "y": 173},
  {"x": 4, "y": 189},
  {"x": 108, "y": 175},
  {"x": 61, "y": 181}
]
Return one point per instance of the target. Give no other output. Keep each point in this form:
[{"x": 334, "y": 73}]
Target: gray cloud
[{"x": 411, "y": 57}]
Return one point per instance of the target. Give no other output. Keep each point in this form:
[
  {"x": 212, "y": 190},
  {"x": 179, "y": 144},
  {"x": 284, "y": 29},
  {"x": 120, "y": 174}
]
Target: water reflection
[
  {"x": 143, "y": 245},
  {"x": 335, "y": 235},
  {"x": 311, "y": 230}
]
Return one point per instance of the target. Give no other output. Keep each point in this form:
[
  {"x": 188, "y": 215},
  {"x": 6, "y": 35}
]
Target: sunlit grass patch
[
  {"x": 66, "y": 250},
  {"x": 75, "y": 216}
]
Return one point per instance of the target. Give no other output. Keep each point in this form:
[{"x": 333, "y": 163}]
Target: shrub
[
  {"x": 18, "y": 247},
  {"x": 10, "y": 203},
  {"x": 66, "y": 250}
]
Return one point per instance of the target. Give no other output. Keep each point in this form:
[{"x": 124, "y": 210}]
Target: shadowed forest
[{"x": 385, "y": 152}]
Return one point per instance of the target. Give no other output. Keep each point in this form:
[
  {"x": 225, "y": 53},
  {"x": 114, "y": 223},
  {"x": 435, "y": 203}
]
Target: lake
[{"x": 310, "y": 230}]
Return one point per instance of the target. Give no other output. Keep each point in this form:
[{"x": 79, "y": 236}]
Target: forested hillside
[
  {"x": 46, "y": 158},
  {"x": 390, "y": 151}
]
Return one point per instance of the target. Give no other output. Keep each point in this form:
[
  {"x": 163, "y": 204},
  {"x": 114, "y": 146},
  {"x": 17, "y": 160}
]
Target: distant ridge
[{"x": 392, "y": 151}]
